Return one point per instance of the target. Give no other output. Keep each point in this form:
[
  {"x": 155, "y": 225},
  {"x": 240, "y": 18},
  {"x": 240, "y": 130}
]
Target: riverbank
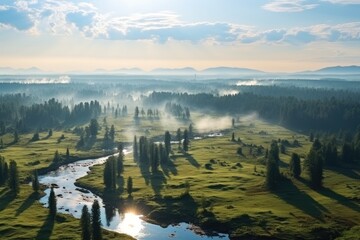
[{"x": 229, "y": 196}]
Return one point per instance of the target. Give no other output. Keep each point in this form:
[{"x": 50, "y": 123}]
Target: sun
[{"x": 131, "y": 224}]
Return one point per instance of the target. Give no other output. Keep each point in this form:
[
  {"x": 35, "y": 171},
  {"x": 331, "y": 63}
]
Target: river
[{"x": 71, "y": 201}]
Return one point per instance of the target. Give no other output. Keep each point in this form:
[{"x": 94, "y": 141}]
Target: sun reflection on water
[{"x": 131, "y": 224}]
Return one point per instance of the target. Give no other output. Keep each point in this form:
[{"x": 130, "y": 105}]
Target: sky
[{"x": 272, "y": 35}]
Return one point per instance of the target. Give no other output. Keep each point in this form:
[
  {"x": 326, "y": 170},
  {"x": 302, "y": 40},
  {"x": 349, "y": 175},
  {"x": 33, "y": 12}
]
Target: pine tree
[
  {"x": 167, "y": 142},
  {"x": 112, "y": 134},
  {"x": 295, "y": 166},
  {"x": 67, "y": 154},
  {"x": 52, "y": 203},
  {"x": 57, "y": 158},
  {"x": 50, "y": 133},
  {"x": 135, "y": 150},
  {"x": 110, "y": 173},
  {"x": 178, "y": 137},
  {"x": 186, "y": 141},
  {"x": 16, "y": 137},
  {"x": 233, "y": 137},
  {"x": 35, "y": 182},
  {"x": 136, "y": 114},
  {"x": 120, "y": 161},
  {"x": 13, "y": 177},
  {"x": 4, "y": 170},
  {"x": 130, "y": 186},
  {"x": 96, "y": 221},
  {"x": 314, "y": 165},
  {"x": 191, "y": 133},
  {"x": 272, "y": 166},
  {"x": 85, "y": 224}
]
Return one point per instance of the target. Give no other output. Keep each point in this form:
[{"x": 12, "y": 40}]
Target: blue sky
[{"x": 274, "y": 35}]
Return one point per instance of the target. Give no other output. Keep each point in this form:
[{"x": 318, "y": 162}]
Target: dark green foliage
[
  {"x": 314, "y": 165},
  {"x": 330, "y": 154},
  {"x": 16, "y": 136},
  {"x": 136, "y": 113},
  {"x": 36, "y": 137},
  {"x": 120, "y": 161},
  {"x": 135, "y": 150},
  {"x": 272, "y": 167},
  {"x": 4, "y": 170},
  {"x": 50, "y": 133},
  {"x": 347, "y": 153},
  {"x": 96, "y": 221},
  {"x": 144, "y": 151},
  {"x": 295, "y": 166},
  {"x": 1, "y": 144},
  {"x": 233, "y": 122},
  {"x": 186, "y": 141},
  {"x": 191, "y": 131},
  {"x": 57, "y": 158},
  {"x": 93, "y": 127},
  {"x": 35, "y": 182},
  {"x": 13, "y": 180},
  {"x": 163, "y": 155},
  {"x": 67, "y": 154},
  {"x": 52, "y": 203},
  {"x": 233, "y": 137},
  {"x": 154, "y": 158},
  {"x": 130, "y": 185},
  {"x": 110, "y": 173},
  {"x": 178, "y": 136},
  {"x": 311, "y": 137},
  {"x": 239, "y": 151},
  {"x": 167, "y": 142},
  {"x": 112, "y": 134},
  {"x": 85, "y": 223}
]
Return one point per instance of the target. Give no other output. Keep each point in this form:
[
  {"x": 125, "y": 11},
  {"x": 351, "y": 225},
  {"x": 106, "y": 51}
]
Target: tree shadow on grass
[
  {"x": 348, "y": 172},
  {"x": 145, "y": 173},
  {"x": 6, "y": 198},
  {"x": 157, "y": 182},
  {"x": 46, "y": 229},
  {"x": 27, "y": 203},
  {"x": 289, "y": 193},
  {"x": 191, "y": 160},
  {"x": 169, "y": 167},
  {"x": 339, "y": 198},
  {"x": 335, "y": 196}
]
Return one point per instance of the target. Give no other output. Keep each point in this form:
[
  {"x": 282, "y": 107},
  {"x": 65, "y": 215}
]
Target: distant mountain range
[{"x": 215, "y": 71}]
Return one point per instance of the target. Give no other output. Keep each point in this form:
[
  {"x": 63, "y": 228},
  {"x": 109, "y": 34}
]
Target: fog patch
[
  {"x": 209, "y": 124},
  {"x": 224, "y": 92},
  {"x": 47, "y": 80},
  {"x": 253, "y": 82}
]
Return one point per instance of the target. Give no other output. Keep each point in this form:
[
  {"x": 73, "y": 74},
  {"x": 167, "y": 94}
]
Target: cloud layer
[{"x": 66, "y": 18}]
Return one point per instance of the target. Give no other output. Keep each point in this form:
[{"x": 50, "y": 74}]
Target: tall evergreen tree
[
  {"x": 4, "y": 170},
  {"x": 94, "y": 127},
  {"x": 178, "y": 137},
  {"x": 186, "y": 141},
  {"x": 13, "y": 177},
  {"x": 85, "y": 224},
  {"x": 135, "y": 150},
  {"x": 272, "y": 166},
  {"x": 96, "y": 221},
  {"x": 136, "y": 114},
  {"x": 120, "y": 161},
  {"x": 52, "y": 203},
  {"x": 110, "y": 173},
  {"x": 130, "y": 185},
  {"x": 314, "y": 165},
  {"x": 295, "y": 166},
  {"x": 112, "y": 134},
  {"x": 35, "y": 182},
  {"x": 167, "y": 142},
  {"x": 57, "y": 157},
  {"x": 191, "y": 131},
  {"x": 347, "y": 153},
  {"x": 67, "y": 154},
  {"x": 16, "y": 136}
]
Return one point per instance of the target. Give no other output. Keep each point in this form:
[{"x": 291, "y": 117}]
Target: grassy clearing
[{"x": 226, "y": 193}]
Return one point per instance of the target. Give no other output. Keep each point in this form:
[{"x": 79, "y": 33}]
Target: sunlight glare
[{"x": 131, "y": 224}]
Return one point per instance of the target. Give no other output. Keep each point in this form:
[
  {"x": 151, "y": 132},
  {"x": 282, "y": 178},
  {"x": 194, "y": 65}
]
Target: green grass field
[
  {"x": 230, "y": 194},
  {"x": 225, "y": 193}
]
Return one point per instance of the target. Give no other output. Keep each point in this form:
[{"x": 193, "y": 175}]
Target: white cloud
[
  {"x": 289, "y": 6},
  {"x": 344, "y": 2}
]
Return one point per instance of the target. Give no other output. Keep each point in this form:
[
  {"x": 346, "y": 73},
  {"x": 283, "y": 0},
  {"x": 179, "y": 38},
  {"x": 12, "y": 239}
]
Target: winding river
[{"x": 70, "y": 201}]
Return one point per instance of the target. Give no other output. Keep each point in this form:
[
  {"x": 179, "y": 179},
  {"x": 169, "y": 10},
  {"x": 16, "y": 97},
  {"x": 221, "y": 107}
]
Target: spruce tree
[
  {"x": 178, "y": 137},
  {"x": 167, "y": 142},
  {"x": 110, "y": 173},
  {"x": 35, "y": 182},
  {"x": 120, "y": 161},
  {"x": 67, "y": 154},
  {"x": 135, "y": 150},
  {"x": 85, "y": 224},
  {"x": 186, "y": 141},
  {"x": 13, "y": 177},
  {"x": 52, "y": 203},
  {"x": 129, "y": 186},
  {"x": 272, "y": 166},
  {"x": 96, "y": 221},
  {"x": 295, "y": 166},
  {"x": 314, "y": 165},
  {"x": 4, "y": 170}
]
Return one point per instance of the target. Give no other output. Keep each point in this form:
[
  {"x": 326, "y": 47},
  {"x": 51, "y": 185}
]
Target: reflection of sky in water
[{"x": 71, "y": 201}]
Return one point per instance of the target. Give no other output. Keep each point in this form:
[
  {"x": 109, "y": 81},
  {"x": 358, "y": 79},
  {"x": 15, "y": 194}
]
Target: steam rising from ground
[{"x": 209, "y": 124}]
